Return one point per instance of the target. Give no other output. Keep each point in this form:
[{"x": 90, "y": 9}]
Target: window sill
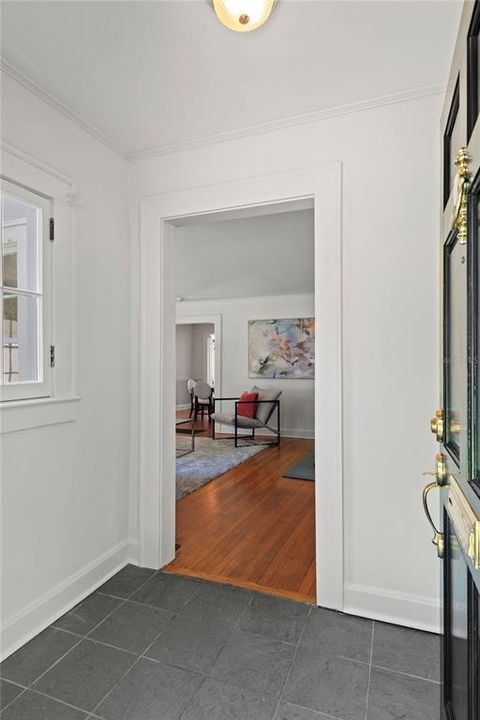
[{"x": 26, "y": 414}]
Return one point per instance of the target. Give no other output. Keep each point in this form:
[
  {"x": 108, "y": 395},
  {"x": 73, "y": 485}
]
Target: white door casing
[{"x": 156, "y": 389}]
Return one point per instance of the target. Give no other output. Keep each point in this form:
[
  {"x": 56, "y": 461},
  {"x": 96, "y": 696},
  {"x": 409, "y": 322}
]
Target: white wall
[
  {"x": 297, "y": 400},
  {"x": 201, "y": 331},
  {"x": 66, "y": 487},
  {"x": 184, "y": 370},
  {"x": 390, "y": 199},
  {"x": 191, "y": 356}
]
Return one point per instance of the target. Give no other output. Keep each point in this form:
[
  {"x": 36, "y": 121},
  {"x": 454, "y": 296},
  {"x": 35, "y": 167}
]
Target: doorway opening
[
  {"x": 160, "y": 216},
  {"x": 245, "y": 494}
]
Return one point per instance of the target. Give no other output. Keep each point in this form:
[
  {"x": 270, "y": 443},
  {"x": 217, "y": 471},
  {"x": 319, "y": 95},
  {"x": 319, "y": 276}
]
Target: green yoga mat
[{"x": 304, "y": 469}]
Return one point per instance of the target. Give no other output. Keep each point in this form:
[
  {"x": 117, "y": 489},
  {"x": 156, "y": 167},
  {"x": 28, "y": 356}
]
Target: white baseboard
[
  {"x": 298, "y": 433},
  {"x": 39, "y": 614},
  {"x": 416, "y": 611},
  {"x": 184, "y": 406}
]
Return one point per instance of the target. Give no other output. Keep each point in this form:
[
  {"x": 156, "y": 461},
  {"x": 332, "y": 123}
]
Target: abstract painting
[{"x": 281, "y": 348}]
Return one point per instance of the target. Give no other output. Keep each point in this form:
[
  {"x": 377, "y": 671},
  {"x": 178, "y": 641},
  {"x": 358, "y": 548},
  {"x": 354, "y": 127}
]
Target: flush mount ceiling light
[{"x": 243, "y": 15}]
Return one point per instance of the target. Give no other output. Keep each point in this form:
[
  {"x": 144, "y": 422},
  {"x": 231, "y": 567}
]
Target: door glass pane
[
  {"x": 20, "y": 320},
  {"x": 457, "y": 638},
  {"x": 21, "y": 241},
  {"x": 456, "y": 361}
]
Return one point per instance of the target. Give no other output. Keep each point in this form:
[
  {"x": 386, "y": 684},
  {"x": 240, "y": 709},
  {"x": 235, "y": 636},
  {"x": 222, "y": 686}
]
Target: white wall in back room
[
  {"x": 184, "y": 361},
  {"x": 297, "y": 400}
]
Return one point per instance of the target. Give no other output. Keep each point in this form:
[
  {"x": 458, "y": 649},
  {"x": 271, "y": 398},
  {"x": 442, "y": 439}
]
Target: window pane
[
  {"x": 20, "y": 320},
  {"x": 21, "y": 240}
]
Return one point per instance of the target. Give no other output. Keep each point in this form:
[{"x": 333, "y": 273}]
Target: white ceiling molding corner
[{"x": 47, "y": 97}]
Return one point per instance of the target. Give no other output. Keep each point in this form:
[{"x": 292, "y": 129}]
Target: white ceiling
[
  {"x": 154, "y": 74},
  {"x": 248, "y": 257}
]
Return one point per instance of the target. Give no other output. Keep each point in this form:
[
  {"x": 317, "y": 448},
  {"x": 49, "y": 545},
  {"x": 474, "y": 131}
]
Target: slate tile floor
[{"x": 153, "y": 646}]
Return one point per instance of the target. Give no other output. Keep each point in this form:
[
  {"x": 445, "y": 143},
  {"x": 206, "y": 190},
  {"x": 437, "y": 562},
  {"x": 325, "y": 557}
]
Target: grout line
[
  {"x": 15, "y": 698},
  {"x": 51, "y": 697},
  {"x": 287, "y": 676},
  {"x": 399, "y": 672},
  {"x": 369, "y": 671},
  {"x": 205, "y": 678}
]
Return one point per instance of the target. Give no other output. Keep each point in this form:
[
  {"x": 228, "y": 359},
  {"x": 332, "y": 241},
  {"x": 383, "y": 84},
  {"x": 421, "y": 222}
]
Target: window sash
[{"x": 40, "y": 291}]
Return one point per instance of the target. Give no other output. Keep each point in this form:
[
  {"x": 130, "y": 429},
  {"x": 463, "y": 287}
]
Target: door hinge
[
  {"x": 52, "y": 356},
  {"x": 51, "y": 227}
]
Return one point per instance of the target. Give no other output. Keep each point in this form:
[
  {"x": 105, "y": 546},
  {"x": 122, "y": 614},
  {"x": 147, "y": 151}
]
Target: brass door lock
[{"x": 437, "y": 425}]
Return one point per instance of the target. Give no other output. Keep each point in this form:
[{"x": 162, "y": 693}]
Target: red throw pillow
[{"x": 247, "y": 409}]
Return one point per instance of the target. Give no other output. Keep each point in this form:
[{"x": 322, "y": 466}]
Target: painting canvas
[{"x": 281, "y": 348}]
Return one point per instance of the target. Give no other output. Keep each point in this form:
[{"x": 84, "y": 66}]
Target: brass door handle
[{"x": 438, "y": 537}]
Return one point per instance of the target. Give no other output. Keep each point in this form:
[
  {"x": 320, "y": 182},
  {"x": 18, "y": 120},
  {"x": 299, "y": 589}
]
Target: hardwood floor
[{"x": 251, "y": 527}]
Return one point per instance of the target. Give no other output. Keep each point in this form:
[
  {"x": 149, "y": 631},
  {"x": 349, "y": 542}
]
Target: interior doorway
[
  {"x": 160, "y": 215},
  {"x": 245, "y": 495}
]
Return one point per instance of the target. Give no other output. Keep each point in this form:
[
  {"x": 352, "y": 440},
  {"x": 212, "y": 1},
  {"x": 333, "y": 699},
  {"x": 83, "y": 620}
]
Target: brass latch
[
  {"x": 441, "y": 471},
  {"x": 440, "y": 474},
  {"x": 436, "y": 425}
]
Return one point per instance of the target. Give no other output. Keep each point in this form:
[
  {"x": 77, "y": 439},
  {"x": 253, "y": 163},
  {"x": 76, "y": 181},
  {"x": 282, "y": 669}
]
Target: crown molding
[
  {"x": 239, "y": 133},
  {"x": 293, "y": 121},
  {"x": 63, "y": 109}
]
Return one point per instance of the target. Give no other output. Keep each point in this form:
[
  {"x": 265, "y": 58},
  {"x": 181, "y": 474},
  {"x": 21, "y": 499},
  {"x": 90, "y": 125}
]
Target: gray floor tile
[
  {"x": 125, "y": 582},
  {"x": 189, "y": 644},
  {"x": 32, "y": 706},
  {"x": 287, "y": 711},
  {"x": 86, "y": 674},
  {"x": 132, "y": 626},
  {"x": 406, "y": 650},
  {"x": 339, "y": 634},
  {"x": 217, "y": 605},
  {"x": 220, "y": 701},
  {"x": 8, "y": 692},
  {"x": 151, "y": 691},
  {"x": 28, "y": 663},
  {"x": 83, "y": 617},
  {"x": 398, "y": 697},
  {"x": 328, "y": 684},
  {"x": 169, "y": 592},
  {"x": 275, "y": 617},
  {"x": 254, "y": 662}
]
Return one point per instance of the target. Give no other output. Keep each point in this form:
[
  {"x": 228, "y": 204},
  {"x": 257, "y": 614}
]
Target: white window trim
[{"x": 60, "y": 406}]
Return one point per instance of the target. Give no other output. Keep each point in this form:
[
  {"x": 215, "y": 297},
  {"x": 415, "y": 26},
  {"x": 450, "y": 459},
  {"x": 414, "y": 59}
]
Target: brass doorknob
[{"x": 437, "y": 425}]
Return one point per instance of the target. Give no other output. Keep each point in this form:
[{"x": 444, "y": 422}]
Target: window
[{"x": 26, "y": 293}]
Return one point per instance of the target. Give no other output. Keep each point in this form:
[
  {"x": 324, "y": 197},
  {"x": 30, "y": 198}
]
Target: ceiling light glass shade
[{"x": 243, "y": 15}]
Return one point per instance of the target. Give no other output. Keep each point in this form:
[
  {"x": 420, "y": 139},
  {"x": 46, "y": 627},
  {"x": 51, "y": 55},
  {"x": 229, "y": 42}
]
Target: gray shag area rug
[{"x": 210, "y": 459}]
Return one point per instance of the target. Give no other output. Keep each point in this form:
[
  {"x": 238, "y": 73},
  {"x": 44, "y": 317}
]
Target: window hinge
[
  {"x": 52, "y": 356},
  {"x": 52, "y": 229}
]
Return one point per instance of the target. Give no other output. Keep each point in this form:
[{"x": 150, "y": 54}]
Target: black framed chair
[
  {"x": 203, "y": 399},
  {"x": 266, "y": 403}
]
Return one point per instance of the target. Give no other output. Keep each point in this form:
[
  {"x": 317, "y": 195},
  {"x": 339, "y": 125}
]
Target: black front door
[{"x": 457, "y": 423}]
